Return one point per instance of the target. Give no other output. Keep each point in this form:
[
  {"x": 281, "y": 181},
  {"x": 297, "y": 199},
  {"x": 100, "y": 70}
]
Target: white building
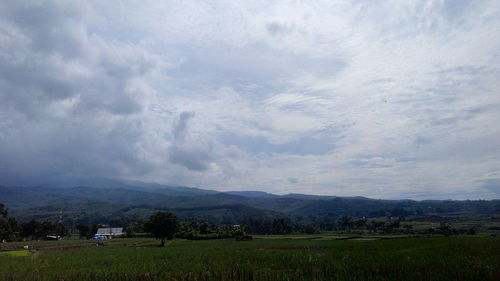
[{"x": 108, "y": 232}]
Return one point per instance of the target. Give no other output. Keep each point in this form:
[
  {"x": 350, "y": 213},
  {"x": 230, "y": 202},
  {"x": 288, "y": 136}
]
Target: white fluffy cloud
[{"x": 389, "y": 99}]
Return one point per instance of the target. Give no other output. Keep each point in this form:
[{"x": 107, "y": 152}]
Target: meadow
[{"x": 314, "y": 257}]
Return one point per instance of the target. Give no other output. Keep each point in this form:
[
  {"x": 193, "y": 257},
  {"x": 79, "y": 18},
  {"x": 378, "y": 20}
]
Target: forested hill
[{"x": 139, "y": 200}]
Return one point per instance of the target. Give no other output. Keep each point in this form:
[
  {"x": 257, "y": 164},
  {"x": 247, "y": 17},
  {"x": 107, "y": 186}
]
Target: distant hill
[
  {"x": 110, "y": 199},
  {"x": 22, "y": 197},
  {"x": 133, "y": 185},
  {"x": 253, "y": 194},
  {"x": 307, "y": 196}
]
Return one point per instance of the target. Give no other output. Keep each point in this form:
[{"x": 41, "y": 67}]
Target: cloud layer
[{"x": 387, "y": 100}]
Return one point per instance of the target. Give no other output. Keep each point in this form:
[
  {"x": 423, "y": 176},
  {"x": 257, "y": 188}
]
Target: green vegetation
[
  {"x": 338, "y": 247},
  {"x": 299, "y": 258},
  {"x": 244, "y": 236},
  {"x": 21, "y": 253},
  {"x": 163, "y": 226},
  {"x": 82, "y": 209},
  {"x": 97, "y": 205}
]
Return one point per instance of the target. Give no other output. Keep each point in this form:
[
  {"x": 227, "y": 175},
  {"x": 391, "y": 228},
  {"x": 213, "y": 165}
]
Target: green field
[
  {"x": 20, "y": 253},
  {"x": 279, "y": 258}
]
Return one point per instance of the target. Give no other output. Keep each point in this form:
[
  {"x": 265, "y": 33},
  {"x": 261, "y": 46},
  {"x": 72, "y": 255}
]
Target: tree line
[
  {"x": 12, "y": 230},
  {"x": 165, "y": 225}
]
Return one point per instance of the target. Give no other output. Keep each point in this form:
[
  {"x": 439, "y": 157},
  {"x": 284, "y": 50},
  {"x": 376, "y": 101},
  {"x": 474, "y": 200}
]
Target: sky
[{"x": 384, "y": 99}]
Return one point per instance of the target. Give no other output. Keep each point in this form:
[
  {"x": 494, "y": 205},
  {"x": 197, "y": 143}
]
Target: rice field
[
  {"x": 21, "y": 253},
  {"x": 265, "y": 258}
]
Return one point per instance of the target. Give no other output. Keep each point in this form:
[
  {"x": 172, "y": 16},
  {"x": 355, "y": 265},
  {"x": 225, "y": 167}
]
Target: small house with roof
[{"x": 108, "y": 232}]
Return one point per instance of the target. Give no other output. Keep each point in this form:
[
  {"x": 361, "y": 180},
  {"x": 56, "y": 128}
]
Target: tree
[
  {"x": 3, "y": 210},
  {"x": 8, "y": 225},
  {"x": 203, "y": 228},
  {"x": 360, "y": 223},
  {"x": 83, "y": 230},
  {"x": 129, "y": 232},
  {"x": 163, "y": 225},
  {"x": 9, "y": 229},
  {"x": 445, "y": 228},
  {"x": 280, "y": 226},
  {"x": 345, "y": 223},
  {"x": 310, "y": 229},
  {"x": 28, "y": 229}
]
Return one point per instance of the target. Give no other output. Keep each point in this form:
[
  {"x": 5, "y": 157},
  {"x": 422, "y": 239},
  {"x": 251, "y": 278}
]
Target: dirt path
[{"x": 52, "y": 246}]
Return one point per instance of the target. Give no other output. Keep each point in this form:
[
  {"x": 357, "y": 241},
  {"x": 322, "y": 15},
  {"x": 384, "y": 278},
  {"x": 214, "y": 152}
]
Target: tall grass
[{"x": 454, "y": 258}]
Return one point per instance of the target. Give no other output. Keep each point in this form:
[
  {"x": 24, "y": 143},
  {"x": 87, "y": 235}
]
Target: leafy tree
[
  {"x": 93, "y": 230},
  {"x": 8, "y": 225},
  {"x": 445, "y": 228},
  {"x": 83, "y": 230},
  {"x": 3, "y": 210},
  {"x": 36, "y": 230},
  {"x": 310, "y": 229},
  {"x": 280, "y": 226},
  {"x": 60, "y": 229},
  {"x": 374, "y": 225},
  {"x": 258, "y": 225},
  {"x": 163, "y": 225},
  {"x": 203, "y": 228},
  {"x": 28, "y": 229},
  {"x": 226, "y": 231},
  {"x": 129, "y": 232},
  {"x": 360, "y": 223},
  {"x": 345, "y": 223},
  {"x": 8, "y": 229}
]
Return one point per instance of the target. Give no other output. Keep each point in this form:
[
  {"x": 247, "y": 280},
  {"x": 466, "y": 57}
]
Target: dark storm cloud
[
  {"x": 41, "y": 151},
  {"x": 192, "y": 155},
  {"x": 180, "y": 127},
  {"x": 51, "y": 26},
  {"x": 49, "y": 56},
  {"x": 67, "y": 98}
]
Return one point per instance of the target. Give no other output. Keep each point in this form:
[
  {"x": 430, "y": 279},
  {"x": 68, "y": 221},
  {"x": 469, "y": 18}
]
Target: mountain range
[{"x": 105, "y": 199}]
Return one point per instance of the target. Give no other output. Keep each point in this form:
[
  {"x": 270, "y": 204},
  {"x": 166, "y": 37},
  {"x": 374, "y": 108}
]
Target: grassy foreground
[
  {"x": 21, "y": 253},
  {"x": 453, "y": 258}
]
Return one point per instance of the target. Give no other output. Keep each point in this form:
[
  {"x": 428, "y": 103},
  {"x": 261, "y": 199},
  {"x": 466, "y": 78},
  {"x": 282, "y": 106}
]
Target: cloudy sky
[{"x": 385, "y": 99}]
